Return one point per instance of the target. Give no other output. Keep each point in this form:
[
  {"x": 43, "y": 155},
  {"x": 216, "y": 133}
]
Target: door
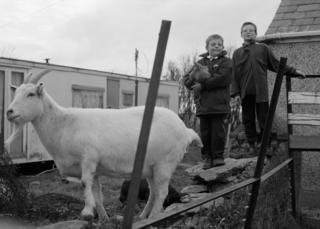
[
  {"x": 2, "y": 117},
  {"x": 16, "y": 147},
  {"x": 113, "y": 91}
]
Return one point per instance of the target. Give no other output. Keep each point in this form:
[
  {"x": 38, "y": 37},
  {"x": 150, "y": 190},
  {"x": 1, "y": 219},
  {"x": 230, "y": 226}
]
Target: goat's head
[{"x": 27, "y": 103}]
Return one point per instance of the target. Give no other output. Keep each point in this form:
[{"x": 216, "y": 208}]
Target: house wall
[
  {"x": 305, "y": 55},
  {"x": 170, "y": 90}
]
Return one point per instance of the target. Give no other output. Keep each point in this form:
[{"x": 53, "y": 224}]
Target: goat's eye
[{"x": 31, "y": 94}]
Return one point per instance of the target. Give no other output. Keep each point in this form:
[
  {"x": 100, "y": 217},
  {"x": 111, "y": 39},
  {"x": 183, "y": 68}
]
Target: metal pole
[
  {"x": 136, "y": 57},
  {"x": 136, "y": 91},
  {"x": 264, "y": 142},
  {"x": 146, "y": 124}
]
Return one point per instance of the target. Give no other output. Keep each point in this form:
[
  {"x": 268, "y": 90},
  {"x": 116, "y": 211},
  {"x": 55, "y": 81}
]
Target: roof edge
[
  {"x": 34, "y": 64},
  {"x": 290, "y": 35}
]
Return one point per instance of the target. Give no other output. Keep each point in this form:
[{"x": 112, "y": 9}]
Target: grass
[{"x": 52, "y": 200}]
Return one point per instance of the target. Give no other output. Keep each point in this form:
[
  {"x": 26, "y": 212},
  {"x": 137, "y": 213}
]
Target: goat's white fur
[{"x": 87, "y": 143}]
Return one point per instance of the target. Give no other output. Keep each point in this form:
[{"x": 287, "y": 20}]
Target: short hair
[
  {"x": 213, "y": 37},
  {"x": 249, "y": 23}
]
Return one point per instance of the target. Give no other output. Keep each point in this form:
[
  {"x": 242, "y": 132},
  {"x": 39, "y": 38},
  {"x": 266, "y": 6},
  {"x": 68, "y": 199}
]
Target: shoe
[
  {"x": 269, "y": 152},
  {"x": 207, "y": 164},
  {"x": 218, "y": 162},
  {"x": 253, "y": 150}
]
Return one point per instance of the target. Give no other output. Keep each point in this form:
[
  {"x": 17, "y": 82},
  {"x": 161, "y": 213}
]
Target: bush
[{"x": 13, "y": 199}]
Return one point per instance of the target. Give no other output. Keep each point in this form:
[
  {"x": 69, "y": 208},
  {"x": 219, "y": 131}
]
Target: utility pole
[{"x": 136, "y": 57}]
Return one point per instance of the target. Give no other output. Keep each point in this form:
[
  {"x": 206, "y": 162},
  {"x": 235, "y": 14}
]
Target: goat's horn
[
  {"x": 37, "y": 77},
  {"x": 27, "y": 78}
]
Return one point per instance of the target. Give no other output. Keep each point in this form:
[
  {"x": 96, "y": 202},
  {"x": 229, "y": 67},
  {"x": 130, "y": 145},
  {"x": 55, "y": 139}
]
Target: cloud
[{"x": 104, "y": 34}]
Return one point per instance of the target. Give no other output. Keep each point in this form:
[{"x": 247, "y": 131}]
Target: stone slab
[
  {"x": 71, "y": 224},
  {"x": 194, "y": 189},
  {"x": 222, "y": 172}
]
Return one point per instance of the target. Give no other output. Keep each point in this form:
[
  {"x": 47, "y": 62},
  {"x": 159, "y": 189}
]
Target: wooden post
[
  {"x": 296, "y": 161},
  {"x": 146, "y": 124},
  {"x": 264, "y": 143}
]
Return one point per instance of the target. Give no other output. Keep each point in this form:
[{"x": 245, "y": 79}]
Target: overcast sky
[{"x": 103, "y": 34}]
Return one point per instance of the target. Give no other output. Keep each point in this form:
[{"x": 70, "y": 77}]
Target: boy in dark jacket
[
  {"x": 212, "y": 97},
  {"x": 250, "y": 85}
]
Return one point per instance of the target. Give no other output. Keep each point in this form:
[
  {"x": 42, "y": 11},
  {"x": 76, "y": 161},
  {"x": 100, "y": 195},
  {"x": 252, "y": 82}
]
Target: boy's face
[
  {"x": 248, "y": 33},
  {"x": 215, "y": 47}
]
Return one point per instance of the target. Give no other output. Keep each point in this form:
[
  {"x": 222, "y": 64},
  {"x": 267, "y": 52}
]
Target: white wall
[
  {"x": 164, "y": 90},
  {"x": 59, "y": 85}
]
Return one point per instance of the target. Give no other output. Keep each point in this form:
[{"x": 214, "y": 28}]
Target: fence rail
[
  {"x": 150, "y": 222},
  {"x": 215, "y": 195}
]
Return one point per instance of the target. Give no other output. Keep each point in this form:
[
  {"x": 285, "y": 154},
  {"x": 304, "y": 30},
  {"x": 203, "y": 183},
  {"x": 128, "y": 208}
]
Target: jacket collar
[
  {"x": 221, "y": 54},
  {"x": 247, "y": 44}
]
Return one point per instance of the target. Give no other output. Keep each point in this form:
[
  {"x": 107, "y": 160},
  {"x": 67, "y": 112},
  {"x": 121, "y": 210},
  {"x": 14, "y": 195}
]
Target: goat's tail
[{"x": 194, "y": 137}]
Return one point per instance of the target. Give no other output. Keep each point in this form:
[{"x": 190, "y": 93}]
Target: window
[
  {"x": 87, "y": 97},
  {"x": 127, "y": 98},
  {"x": 163, "y": 101},
  {"x": 16, "y": 80}
]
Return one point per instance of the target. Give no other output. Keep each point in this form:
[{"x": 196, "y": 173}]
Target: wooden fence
[{"x": 255, "y": 181}]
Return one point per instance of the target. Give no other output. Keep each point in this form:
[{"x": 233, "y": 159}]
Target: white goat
[{"x": 87, "y": 143}]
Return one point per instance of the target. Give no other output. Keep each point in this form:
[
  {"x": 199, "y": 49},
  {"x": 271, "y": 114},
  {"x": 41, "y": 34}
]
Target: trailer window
[
  {"x": 87, "y": 97},
  {"x": 127, "y": 98},
  {"x": 162, "y": 101}
]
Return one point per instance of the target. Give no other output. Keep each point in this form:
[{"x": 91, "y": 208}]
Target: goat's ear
[
  {"x": 13, "y": 86},
  {"x": 40, "y": 89}
]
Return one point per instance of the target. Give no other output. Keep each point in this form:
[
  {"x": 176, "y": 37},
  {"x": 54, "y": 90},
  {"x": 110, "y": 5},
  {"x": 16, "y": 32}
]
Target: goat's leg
[
  {"x": 146, "y": 211},
  {"x": 96, "y": 189},
  {"x": 87, "y": 176},
  {"x": 161, "y": 179}
]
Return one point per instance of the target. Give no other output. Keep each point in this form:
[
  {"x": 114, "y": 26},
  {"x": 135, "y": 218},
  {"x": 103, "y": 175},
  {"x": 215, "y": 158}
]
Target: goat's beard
[{"x": 17, "y": 128}]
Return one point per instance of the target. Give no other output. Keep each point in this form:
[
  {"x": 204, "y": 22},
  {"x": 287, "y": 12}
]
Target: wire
[
  {"x": 30, "y": 14},
  {"x": 147, "y": 63}
]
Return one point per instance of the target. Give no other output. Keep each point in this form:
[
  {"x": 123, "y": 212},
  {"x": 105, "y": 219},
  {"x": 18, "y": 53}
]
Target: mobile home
[{"x": 73, "y": 87}]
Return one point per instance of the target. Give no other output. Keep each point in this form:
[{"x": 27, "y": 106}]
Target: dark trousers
[
  {"x": 213, "y": 135},
  {"x": 251, "y": 110}
]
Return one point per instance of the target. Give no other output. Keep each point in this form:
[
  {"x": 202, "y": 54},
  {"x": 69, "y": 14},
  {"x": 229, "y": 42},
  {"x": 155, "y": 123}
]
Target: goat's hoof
[
  {"x": 88, "y": 218},
  {"x": 103, "y": 225},
  {"x": 104, "y": 220}
]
